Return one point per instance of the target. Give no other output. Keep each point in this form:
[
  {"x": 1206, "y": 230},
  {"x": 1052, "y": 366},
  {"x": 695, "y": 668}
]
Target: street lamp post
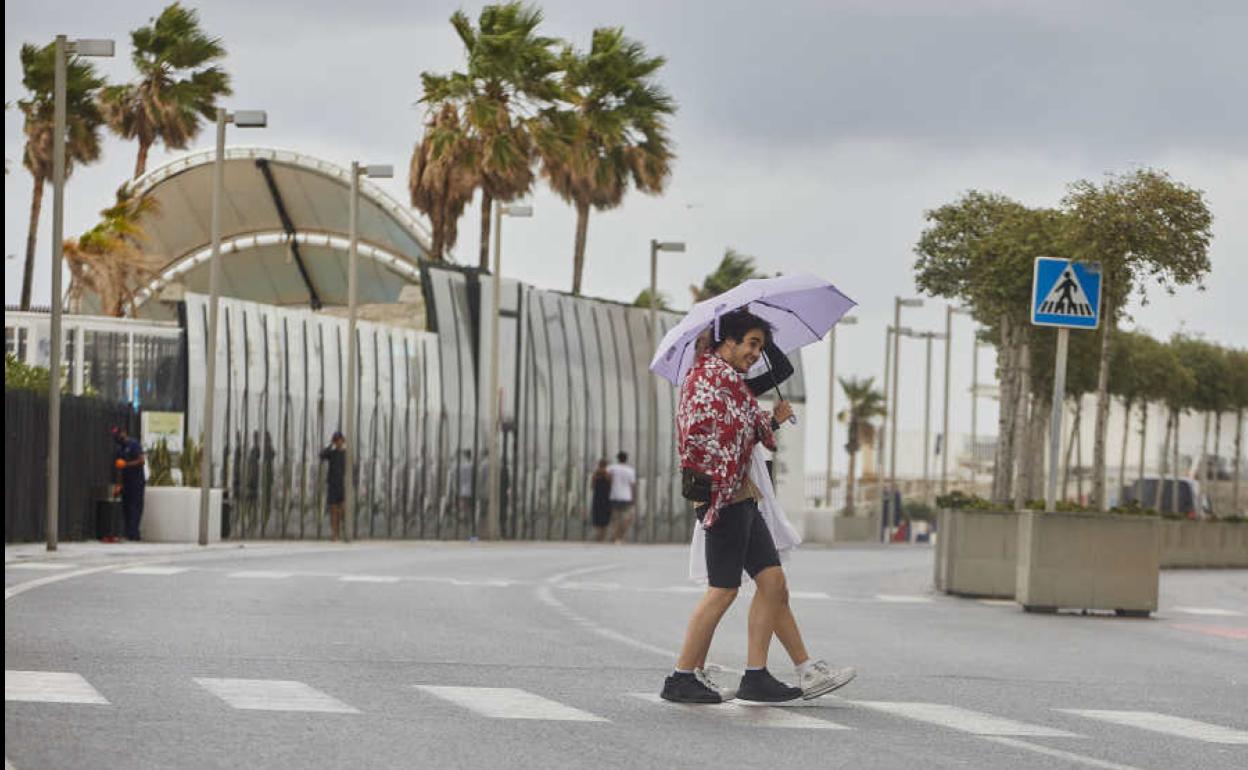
[
  {"x": 62, "y": 48},
  {"x": 927, "y": 413},
  {"x": 495, "y": 472},
  {"x": 847, "y": 321},
  {"x": 884, "y": 422},
  {"x": 242, "y": 119},
  {"x": 353, "y": 369},
  {"x": 898, "y": 304},
  {"x": 652, "y": 488}
]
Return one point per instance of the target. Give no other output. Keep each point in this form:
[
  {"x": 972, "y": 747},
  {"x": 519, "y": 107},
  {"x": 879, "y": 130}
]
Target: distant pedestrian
[
  {"x": 623, "y": 495},
  {"x": 464, "y": 482},
  {"x": 129, "y": 464},
  {"x": 335, "y": 481},
  {"x": 600, "y": 505}
]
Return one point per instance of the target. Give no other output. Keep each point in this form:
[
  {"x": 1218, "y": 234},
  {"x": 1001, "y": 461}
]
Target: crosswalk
[{"x": 510, "y": 703}]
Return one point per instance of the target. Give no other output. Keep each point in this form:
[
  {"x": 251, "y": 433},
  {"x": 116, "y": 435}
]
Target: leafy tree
[
  {"x": 661, "y": 300},
  {"x": 1176, "y": 394},
  {"x": 1141, "y": 227},
  {"x": 178, "y": 84},
  {"x": 442, "y": 178},
  {"x": 502, "y": 99},
  {"x": 734, "y": 269},
  {"x": 82, "y": 131},
  {"x": 865, "y": 404},
  {"x": 1210, "y": 392},
  {"x": 613, "y": 131}
]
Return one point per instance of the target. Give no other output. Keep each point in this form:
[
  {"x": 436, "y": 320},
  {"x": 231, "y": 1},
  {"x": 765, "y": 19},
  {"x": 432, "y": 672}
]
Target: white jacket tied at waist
[{"x": 782, "y": 532}]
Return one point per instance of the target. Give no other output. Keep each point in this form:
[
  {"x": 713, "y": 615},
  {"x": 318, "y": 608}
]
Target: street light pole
[
  {"x": 927, "y": 414},
  {"x": 652, "y": 488},
  {"x": 850, "y": 321},
  {"x": 493, "y": 443},
  {"x": 974, "y": 407},
  {"x": 243, "y": 119},
  {"x": 62, "y": 48},
  {"x": 884, "y": 422},
  {"x": 898, "y": 304},
  {"x": 353, "y": 369}
]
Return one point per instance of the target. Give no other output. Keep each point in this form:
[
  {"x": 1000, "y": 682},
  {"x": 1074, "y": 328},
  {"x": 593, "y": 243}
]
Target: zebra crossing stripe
[
  {"x": 964, "y": 720},
  {"x": 273, "y": 695},
  {"x": 509, "y": 703},
  {"x": 751, "y": 715},
  {"x": 259, "y": 574},
  {"x": 50, "y": 687},
  {"x": 367, "y": 579},
  {"x": 1169, "y": 725}
]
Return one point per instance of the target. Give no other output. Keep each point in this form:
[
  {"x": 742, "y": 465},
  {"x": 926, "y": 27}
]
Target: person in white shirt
[{"x": 623, "y": 493}]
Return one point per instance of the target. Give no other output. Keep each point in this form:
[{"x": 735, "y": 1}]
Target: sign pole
[{"x": 1055, "y": 422}]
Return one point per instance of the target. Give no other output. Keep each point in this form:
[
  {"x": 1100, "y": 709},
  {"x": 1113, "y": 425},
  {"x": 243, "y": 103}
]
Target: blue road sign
[{"x": 1065, "y": 293}]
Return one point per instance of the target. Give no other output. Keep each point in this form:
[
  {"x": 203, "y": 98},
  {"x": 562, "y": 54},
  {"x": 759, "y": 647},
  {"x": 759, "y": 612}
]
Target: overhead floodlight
[
  {"x": 910, "y": 302},
  {"x": 847, "y": 320},
  {"x": 513, "y": 210},
  {"x": 379, "y": 171},
  {"x": 677, "y": 246},
  {"x": 96, "y": 47},
  {"x": 250, "y": 118}
]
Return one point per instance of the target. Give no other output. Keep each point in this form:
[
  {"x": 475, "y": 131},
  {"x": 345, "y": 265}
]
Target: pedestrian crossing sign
[{"x": 1066, "y": 293}]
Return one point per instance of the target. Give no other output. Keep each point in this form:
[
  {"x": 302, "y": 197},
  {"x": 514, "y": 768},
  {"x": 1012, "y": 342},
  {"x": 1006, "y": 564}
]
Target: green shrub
[
  {"x": 19, "y": 374},
  {"x": 958, "y": 500}
]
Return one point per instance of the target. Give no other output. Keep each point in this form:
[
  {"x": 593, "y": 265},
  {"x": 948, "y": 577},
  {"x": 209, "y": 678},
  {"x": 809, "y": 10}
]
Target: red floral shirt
[{"x": 718, "y": 423}]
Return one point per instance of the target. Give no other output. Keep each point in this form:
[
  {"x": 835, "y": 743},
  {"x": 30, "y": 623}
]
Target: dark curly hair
[{"x": 736, "y": 324}]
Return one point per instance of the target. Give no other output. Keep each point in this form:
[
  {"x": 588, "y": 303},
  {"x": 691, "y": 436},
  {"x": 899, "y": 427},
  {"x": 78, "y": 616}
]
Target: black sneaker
[
  {"x": 761, "y": 687},
  {"x": 687, "y": 688}
]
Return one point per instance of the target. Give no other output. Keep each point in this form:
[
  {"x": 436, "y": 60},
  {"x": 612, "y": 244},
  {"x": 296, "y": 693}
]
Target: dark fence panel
[{"x": 86, "y": 462}]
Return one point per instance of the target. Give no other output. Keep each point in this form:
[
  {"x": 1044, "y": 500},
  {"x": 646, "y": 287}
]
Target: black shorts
[{"x": 738, "y": 540}]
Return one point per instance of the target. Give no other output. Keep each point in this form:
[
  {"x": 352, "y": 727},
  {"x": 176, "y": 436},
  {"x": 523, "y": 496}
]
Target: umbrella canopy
[{"x": 800, "y": 308}]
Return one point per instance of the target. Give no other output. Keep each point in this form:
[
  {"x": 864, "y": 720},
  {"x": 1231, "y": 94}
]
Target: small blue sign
[{"x": 1065, "y": 293}]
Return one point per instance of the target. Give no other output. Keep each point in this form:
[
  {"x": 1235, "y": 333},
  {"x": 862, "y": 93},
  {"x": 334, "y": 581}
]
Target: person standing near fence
[
  {"x": 129, "y": 463},
  {"x": 623, "y": 493},
  {"x": 335, "y": 481},
  {"x": 600, "y": 502}
]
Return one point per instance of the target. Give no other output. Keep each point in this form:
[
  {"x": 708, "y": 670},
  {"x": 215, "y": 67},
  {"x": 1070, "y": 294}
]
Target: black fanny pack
[{"x": 695, "y": 487}]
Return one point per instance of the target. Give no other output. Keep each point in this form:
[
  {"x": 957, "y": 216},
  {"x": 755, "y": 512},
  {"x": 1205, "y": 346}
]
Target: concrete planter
[
  {"x": 976, "y": 553},
  {"x": 171, "y": 515},
  {"x": 1088, "y": 561},
  {"x": 822, "y": 526},
  {"x": 1203, "y": 544}
]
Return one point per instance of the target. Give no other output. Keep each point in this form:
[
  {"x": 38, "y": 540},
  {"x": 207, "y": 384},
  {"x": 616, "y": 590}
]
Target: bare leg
[
  {"x": 335, "y": 520},
  {"x": 789, "y": 636},
  {"x": 771, "y": 594},
  {"x": 706, "y": 616}
]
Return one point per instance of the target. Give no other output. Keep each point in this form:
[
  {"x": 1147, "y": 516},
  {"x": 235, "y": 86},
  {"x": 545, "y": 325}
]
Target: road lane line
[
  {"x": 509, "y": 703},
  {"x": 273, "y": 695},
  {"x": 1069, "y": 756},
  {"x": 903, "y": 599},
  {"x": 964, "y": 720},
  {"x": 546, "y": 596},
  {"x": 754, "y": 716},
  {"x": 41, "y": 566},
  {"x": 259, "y": 574},
  {"x": 1214, "y": 611},
  {"x": 809, "y": 595},
  {"x": 152, "y": 571},
  {"x": 1225, "y": 632},
  {"x": 367, "y": 579},
  {"x": 50, "y": 687},
  {"x": 1169, "y": 725}
]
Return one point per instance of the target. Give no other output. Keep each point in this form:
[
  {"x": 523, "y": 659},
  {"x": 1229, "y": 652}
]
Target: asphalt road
[{"x": 449, "y": 655}]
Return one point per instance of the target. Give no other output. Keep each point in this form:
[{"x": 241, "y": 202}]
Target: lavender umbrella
[{"x": 800, "y": 308}]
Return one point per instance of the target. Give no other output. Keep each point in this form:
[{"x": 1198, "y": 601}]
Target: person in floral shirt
[{"x": 719, "y": 422}]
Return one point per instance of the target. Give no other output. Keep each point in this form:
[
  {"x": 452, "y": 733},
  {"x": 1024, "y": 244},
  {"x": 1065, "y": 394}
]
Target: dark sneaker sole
[
  {"x": 700, "y": 702},
  {"x": 830, "y": 688},
  {"x": 770, "y": 698}
]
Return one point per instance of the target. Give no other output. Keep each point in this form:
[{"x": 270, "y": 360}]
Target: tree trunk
[
  {"x": 1122, "y": 458},
  {"x": 1143, "y": 441},
  {"x": 32, "y": 234},
  {"x": 1174, "y": 488},
  {"x": 849, "y": 485},
  {"x": 1202, "y": 469},
  {"x": 1070, "y": 448},
  {"x": 1079, "y": 451},
  {"x": 140, "y": 163},
  {"x": 1037, "y": 431},
  {"x": 1239, "y": 460},
  {"x": 483, "y": 251},
  {"x": 1102, "y": 409},
  {"x": 1003, "y": 468},
  {"x": 1217, "y": 456},
  {"x": 578, "y": 253},
  {"x": 1022, "y": 402},
  {"x": 1165, "y": 457}
]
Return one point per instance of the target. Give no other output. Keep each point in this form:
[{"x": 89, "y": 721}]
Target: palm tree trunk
[
  {"x": 849, "y": 484},
  {"x": 483, "y": 252},
  {"x": 1165, "y": 456},
  {"x": 578, "y": 253},
  {"x": 32, "y": 233},
  {"x": 1102, "y": 410},
  {"x": 1126, "y": 435},
  {"x": 140, "y": 163}
]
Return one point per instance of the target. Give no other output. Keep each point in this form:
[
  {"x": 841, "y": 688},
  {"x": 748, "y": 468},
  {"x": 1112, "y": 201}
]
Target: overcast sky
[{"x": 810, "y": 134}]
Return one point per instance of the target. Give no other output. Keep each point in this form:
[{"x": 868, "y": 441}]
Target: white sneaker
[
  {"x": 820, "y": 679},
  {"x": 705, "y": 675}
]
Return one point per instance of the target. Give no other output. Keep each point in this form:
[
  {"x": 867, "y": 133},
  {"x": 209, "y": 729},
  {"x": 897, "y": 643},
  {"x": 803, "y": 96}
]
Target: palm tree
[
  {"x": 108, "y": 260},
  {"x": 82, "y": 131},
  {"x": 442, "y": 177},
  {"x": 735, "y": 268},
  {"x": 177, "y": 85},
  {"x": 865, "y": 404},
  {"x": 508, "y": 83},
  {"x": 660, "y": 300},
  {"x": 614, "y": 131}
]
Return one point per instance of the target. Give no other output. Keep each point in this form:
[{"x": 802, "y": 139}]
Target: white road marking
[
  {"x": 152, "y": 571},
  {"x": 509, "y": 703},
  {"x": 50, "y": 687},
  {"x": 809, "y": 595},
  {"x": 368, "y": 579},
  {"x": 999, "y": 602},
  {"x": 903, "y": 599},
  {"x": 43, "y": 566},
  {"x": 260, "y": 574},
  {"x": 752, "y": 715},
  {"x": 1215, "y": 611},
  {"x": 1170, "y": 725},
  {"x": 964, "y": 720},
  {"x": 1069, "y": 756},
  {"x": 546, "y": 596},
  {"x": 273, "y": 695}
]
